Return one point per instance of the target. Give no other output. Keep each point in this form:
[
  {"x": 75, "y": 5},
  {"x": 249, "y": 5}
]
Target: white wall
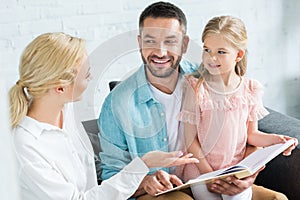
[
  {"x": 9, "y": 187},
  {"x": 109, "y": 28}
]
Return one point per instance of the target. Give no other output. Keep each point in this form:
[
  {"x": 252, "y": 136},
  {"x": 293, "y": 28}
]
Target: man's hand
[
  {"x": 159, "y": 182},
  {"x": 232, "y": 185}
]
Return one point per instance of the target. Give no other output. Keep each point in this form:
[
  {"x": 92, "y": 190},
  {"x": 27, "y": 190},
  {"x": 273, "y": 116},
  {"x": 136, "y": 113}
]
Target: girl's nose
[{"x": 213, "y": 56}]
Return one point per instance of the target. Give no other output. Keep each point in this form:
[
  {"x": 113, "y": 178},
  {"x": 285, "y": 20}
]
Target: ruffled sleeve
[
  {"x": 189, "y": 100},
  {"x": 257, "y": 110}
]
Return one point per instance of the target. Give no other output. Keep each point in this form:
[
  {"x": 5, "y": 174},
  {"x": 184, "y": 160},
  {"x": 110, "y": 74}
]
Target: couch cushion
[{"x": 91, "y": 128}]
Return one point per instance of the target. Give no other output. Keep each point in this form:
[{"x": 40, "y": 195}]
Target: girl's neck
[
  {"x": 43, "y": 110},
  {"x": 224, "y": 83}
]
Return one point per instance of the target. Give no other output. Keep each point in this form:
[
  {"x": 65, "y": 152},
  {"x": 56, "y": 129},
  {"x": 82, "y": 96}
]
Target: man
[{"x": 140, "y": 114}]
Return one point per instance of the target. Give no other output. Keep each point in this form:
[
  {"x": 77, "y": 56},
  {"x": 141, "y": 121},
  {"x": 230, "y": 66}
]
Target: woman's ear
[
  {"x": 240, "y": 55},
  {"x": 59, "y": 89}
]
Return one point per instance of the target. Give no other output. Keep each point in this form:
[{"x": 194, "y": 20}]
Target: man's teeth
[{"x": 160, "y": 61}]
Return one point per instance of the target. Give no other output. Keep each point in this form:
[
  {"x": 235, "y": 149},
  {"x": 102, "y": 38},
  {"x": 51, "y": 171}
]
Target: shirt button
[
  {"x": 165, "y": 139},
  {"x": 162, "y": 114}
]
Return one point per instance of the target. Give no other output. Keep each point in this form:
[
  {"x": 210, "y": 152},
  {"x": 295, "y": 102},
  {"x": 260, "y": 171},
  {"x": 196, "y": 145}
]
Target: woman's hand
[{"x": 167, "y": 159}]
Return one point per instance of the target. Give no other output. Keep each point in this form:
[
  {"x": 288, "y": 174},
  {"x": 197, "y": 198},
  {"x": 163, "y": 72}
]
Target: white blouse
[{"x": 59, "y": 163}]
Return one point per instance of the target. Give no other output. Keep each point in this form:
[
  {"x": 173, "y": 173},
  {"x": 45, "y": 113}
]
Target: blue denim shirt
[{"x": 132, "y": 122}]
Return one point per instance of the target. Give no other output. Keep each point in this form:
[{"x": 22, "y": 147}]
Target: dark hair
[{"x": 163, "y": 10}]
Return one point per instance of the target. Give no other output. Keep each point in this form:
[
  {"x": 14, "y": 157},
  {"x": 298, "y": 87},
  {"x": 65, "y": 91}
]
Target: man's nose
[{"x": 161, "y": 50}]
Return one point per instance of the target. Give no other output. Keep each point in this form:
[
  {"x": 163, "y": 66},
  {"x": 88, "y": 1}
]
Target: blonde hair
[
  {"x": 234, "y": 31},
  {"x": 48, "y": 61}
]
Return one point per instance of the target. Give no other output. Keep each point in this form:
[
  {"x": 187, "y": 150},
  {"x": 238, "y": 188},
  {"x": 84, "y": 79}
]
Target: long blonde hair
[
  {"x": 48, "y": 61},
  {"x": 234, "y": 31}
]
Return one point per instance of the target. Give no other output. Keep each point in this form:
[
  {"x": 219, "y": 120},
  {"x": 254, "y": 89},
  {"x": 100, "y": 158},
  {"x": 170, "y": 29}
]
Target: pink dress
[{"x": 221, "y": 119}]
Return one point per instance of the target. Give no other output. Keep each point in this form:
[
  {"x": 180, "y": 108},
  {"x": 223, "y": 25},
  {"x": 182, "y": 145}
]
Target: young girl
[
  {"x": 221, "y": 106},
  {"x": 55, "y": 156}
]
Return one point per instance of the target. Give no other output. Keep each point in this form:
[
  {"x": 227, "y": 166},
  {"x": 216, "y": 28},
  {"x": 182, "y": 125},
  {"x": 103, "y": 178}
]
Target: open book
[{"x": 246, "y": 167}]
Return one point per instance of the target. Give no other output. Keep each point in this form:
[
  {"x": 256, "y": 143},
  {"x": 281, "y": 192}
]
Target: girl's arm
[
  {"x": 194, "y": 147},
  {"x": 262, "y": 139}
]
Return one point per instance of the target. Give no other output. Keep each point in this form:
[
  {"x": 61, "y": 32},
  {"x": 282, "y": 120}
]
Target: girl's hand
[
  {"x": 282, "y": 139},
  {"x": 232, "y": 185},
  {"x": 289, "y": 150},
  {"x": 167, "y": 159}
]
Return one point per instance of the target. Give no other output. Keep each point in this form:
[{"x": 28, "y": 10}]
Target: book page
[
  {"x": 262, "y": 156},
  {"x": 233, "y": 169}
]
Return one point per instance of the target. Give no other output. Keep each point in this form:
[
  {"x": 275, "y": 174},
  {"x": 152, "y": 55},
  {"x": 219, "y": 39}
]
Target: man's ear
[
  {"x": 240, "y": 55},
  {"x": 186, "y": 40},
  {"x": 140, "y": 41}
]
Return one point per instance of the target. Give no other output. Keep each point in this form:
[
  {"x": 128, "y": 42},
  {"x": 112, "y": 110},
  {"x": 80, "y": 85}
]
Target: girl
[
  {"x": 55, "y": 155},
  {"x": 222, "y": 106}
]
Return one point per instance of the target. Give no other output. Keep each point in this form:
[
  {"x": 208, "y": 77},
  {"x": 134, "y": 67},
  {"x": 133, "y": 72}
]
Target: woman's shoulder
[{"x": 23, "y": 136}]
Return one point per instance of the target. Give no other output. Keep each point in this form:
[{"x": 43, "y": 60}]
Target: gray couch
[{"x": 281, "y": 174}]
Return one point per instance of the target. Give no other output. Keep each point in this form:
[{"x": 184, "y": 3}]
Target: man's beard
[{"x": 161, "y": 73}]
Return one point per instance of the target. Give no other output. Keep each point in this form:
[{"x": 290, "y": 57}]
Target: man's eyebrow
[
  {"x": 171, "y": 37},
  {"x": 149, "y": 36},
  {"x": 167, "y": 37}
]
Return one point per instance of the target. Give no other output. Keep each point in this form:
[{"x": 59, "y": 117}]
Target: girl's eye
[
  {"x": 206, "y": 50},
  {"x": 221, "y": 52}
]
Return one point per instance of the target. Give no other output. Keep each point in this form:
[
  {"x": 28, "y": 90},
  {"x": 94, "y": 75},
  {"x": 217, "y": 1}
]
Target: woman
[{"x": 55, "y": 155}]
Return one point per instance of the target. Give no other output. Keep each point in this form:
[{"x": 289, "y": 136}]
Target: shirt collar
[
  {"x": 143, "y": 89},
  {"x": 36, "y": 128}
]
